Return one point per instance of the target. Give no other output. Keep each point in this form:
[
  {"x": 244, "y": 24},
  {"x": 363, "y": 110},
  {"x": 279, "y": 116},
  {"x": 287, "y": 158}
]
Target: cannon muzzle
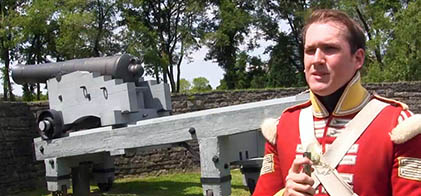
[{"x": 123, "y": 67}]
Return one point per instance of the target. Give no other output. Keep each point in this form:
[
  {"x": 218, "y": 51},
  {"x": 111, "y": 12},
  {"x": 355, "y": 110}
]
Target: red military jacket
[{"x": 375, "y": 165}]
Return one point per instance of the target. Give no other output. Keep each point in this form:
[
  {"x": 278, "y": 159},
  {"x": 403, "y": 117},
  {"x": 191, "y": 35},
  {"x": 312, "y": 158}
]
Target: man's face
[{"x": 328, "y": 62}]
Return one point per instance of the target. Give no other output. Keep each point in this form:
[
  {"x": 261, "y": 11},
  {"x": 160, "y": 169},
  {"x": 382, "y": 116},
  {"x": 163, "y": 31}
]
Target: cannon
[
  {"x": 94, "y": 92},
  {"x": 86, "y": 96},
  {"x": 124, "y": 67}
]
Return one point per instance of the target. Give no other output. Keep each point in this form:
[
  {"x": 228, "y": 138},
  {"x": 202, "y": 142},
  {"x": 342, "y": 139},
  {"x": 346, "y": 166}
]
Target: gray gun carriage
[{"x": 102, "y": 107}]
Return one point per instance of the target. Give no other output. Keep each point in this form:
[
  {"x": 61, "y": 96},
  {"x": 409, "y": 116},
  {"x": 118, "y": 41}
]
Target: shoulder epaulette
[
  {"x": 392, "y": 102},
  {"x": 406, "y": 129},
  {"x": 269, "y": 125}
]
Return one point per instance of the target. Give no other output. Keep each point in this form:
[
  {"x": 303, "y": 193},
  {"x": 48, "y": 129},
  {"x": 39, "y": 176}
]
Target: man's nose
[{"x": 319, "y": 57}]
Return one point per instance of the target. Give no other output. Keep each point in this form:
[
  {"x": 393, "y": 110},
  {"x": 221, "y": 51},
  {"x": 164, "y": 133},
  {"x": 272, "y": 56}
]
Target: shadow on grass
[
  {"x": 159, "y": 188},
  {"x": 154, "y": 188},
  {"x": 174, "y": 184}
]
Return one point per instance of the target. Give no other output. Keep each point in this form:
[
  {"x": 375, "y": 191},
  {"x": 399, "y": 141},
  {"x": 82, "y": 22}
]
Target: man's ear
[{"x": 359, "y": 57}]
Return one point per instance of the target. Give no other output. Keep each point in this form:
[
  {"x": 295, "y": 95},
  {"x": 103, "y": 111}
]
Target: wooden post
[
  {"x": 80, "y": 179},
  {"x": 214, "y": 166}
]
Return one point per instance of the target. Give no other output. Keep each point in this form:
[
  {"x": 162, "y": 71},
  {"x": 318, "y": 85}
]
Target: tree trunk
[
  {"x": 5, "y": 97},
  {"x": 367, "y": 29},
  {"x": 172, "y": 84},
  {"x": 156, "y": 72},
  {"x": 165, "y": 73},
  {"x": 98, "y": 36},
  {"x": 38, "y": 92},
  {"x": 171, "y": 72},
  {"x": 178, "y": 67},
  {"x": 7, "y": 88},
  {"x": 9, "y": 84},
  {"x": 298, "y": 41}
]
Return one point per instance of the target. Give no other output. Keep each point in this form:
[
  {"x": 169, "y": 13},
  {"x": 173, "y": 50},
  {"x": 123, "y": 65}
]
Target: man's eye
[
  {"x": 310, "y": 51},
  {"x": 330, "y": 49}
]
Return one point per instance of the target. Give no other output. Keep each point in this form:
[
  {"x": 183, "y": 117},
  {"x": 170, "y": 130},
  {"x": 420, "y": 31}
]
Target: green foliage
[
  {"x": 228, "y": 28},
  {"x": 222, "y": 85},
  {"x": 281, "y": 73},
  {"x": 249, "y": 72},
  {"x": 74, "y": 27},
  {"x": 240, "y": 81},
  {"x": 28, "y": 95},
  {"x": 286, "y": 54},
  {"x": 86, "y": 29},
  {"x": 393, "y": 45},
  {"x": 9, "y": 38},
  {"x": 404, "y": 51},
  {"x": 184, "y": 85},
  {"x": 200, "y": 84},
  {"x": 163, "y": 32},
  {"x": 38, "y": 28},
  {"x": 257, "y": 75}
]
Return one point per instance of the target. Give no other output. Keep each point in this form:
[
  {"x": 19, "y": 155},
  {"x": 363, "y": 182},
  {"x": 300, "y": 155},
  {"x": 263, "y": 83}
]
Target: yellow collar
[{"x": 352, "y": 100}]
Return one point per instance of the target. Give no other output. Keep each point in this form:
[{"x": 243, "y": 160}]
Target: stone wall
[
  {"x": 19, "y": 171},
  {"x": 407, "y": 92},
  {"x": 187, "y": 103}
]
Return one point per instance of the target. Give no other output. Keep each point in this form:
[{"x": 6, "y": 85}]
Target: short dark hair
[{"x": 355, "y": 36}]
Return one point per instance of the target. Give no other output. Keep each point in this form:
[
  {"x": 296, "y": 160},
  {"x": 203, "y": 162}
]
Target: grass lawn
[{"x": 172, "y": 184}]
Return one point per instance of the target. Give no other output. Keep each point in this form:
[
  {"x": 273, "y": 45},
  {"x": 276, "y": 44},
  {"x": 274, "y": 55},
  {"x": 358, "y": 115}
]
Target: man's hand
[{"x": 297, "y": 182}]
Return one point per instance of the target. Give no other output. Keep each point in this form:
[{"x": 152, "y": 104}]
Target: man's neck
[{"x": 330, "y": 101}]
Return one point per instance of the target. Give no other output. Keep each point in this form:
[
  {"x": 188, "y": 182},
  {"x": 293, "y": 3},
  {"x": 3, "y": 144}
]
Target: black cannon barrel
[{"x": 124, "y": 67}]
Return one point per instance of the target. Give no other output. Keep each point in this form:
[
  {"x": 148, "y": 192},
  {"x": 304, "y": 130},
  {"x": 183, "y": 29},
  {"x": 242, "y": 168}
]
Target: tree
[
  {"x": 403, "y": 55},
  {"x": 38, "y": 38},
  {"x": 8, "y": 34},
  {"x": 74, "y": 22},
  {"x": 391, "y": 44},
  {"x": 286, "y": 55},
  {"x": 87, "y": 29},
  {"x": 54, "y": 31},
  {"x": 377, "y": 19},
  {"x": 281, "y": 72},
  {"x": 227, "y": 30},
  {"x": 184, "y": 85},
  {"x": 249, "y": 72},
  {"x": 240, "y": 71},
  {"x": 200, "y": 84},
  {"x": 163, "y": 32},
  {"x": 104, "y": 24},
  {"x": 257, "y": 74}
]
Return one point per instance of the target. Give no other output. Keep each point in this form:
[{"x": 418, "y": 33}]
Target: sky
[
  {"x": 210, "y": 69},
  {"x": 198, "y": 67}
]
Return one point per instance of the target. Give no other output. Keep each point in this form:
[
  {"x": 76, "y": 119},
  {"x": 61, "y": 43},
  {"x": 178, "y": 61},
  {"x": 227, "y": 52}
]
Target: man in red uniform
[{"x": 386, "y": 157}]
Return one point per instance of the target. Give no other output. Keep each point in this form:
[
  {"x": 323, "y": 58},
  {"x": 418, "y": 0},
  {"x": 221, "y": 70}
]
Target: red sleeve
[
  {"x": 270, "y": 180},
  {"x": 406, "y": 173}
]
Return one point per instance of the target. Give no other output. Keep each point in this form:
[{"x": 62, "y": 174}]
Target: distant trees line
[{"x": 163, "y": 33}]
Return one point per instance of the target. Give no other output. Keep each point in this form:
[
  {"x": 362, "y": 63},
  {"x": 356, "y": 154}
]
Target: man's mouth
[{"x": 319, "y": 73}]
